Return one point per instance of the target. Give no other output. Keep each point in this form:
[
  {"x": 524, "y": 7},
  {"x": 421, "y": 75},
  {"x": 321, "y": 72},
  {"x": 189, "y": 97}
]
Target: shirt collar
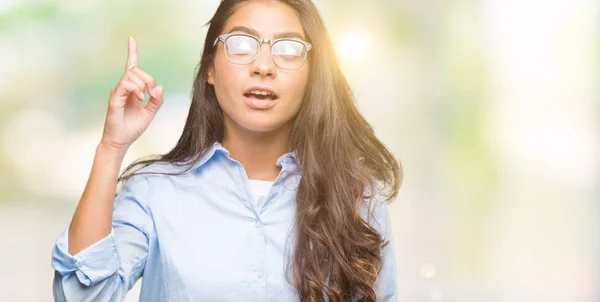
[{"x": 216, "y": 148}]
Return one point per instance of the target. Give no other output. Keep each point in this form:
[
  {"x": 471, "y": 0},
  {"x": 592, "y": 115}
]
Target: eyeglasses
[{"x": 243, "y": 49}]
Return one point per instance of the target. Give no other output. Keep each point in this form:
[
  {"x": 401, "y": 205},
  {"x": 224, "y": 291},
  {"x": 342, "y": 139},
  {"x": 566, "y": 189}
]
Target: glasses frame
[{"x": 223, "y": 38}]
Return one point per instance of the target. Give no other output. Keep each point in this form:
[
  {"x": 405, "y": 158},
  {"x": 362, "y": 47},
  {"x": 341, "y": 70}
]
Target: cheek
[
  {"x": 227, "y": 79},
  {"x": 299, "y": 85},
  {"x": 294, "y": 95}
]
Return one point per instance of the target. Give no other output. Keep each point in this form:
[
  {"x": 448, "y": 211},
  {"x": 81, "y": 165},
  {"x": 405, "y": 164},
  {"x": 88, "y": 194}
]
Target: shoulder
[{"x": 151, "y": 180}]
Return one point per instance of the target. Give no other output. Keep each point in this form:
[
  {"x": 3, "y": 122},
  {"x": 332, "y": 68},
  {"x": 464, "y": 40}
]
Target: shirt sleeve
[
  {"x": 388, "y": 284},
  {"x": 107, "y": 269}
]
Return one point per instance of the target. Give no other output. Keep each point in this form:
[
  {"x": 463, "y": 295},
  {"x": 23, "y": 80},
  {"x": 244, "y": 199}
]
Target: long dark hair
[{"x": 336, "y": 252}]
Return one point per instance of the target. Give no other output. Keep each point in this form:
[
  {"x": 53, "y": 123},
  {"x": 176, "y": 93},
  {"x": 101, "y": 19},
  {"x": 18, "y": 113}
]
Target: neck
[{"x": 257, "y": 151}]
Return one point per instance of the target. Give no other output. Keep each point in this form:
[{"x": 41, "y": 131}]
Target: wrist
[{"x": 111, "y": 151}]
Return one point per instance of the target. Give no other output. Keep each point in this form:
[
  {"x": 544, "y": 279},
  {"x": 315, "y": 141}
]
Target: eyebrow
[{"x": 286, "y": 34}]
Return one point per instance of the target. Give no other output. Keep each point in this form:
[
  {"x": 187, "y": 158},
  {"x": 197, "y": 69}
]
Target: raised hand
[{"x": 127, "y": 118}]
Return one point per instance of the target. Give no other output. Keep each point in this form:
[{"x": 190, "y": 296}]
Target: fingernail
[{"x": 153, "y": 92}]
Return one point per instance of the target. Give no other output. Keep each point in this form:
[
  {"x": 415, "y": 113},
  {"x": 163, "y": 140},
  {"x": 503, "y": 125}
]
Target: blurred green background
[{"x": 493, "y": 108}]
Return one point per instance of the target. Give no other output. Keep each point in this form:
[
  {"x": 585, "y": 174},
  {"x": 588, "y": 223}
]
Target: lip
[
  {"x": 260, "y": 104},
  {"x": 267, "y": 89}
]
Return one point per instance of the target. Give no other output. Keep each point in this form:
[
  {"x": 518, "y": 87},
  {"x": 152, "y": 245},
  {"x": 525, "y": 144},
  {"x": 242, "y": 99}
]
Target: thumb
[{"x": 155, "y": 102}]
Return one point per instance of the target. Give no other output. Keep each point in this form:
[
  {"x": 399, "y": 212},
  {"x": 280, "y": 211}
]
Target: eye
[
  {"x": 241, "y": 45},
  {"x": 288, "y": 48}
]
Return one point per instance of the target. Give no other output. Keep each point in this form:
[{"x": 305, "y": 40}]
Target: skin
[
  {"x": 257, "y": 137},
  {"x": 126, "y": 120}
]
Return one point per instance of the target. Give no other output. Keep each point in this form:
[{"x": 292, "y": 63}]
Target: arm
[
  {"x": 109, "y": 267},
  {"x": 93, "y": 215},
  {"x": 104, "y": 250},
  {"x": 387, "y": 277}
]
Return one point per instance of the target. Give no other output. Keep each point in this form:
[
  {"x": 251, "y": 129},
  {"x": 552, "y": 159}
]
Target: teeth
[{"x": 259, "y": 92}]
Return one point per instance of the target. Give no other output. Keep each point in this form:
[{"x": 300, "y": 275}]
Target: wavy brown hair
[{"x": 337, "y": 253}]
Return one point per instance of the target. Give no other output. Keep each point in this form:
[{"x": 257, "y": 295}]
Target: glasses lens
[
  {"x": 241, "y": 49},
  {"x": 289, "y": 54}
]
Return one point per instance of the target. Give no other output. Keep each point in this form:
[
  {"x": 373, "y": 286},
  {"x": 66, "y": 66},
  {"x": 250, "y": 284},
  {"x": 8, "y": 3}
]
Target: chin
[
  {"x": 266, "y": 126},
  {"x": 258, "y": 123}
]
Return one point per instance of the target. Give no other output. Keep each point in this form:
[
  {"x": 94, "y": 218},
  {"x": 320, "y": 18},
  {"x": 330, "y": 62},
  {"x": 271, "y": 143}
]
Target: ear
[{"x": 210, "y": 73}]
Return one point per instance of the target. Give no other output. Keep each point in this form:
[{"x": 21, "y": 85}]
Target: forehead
[{"x": 268, "y": 19}]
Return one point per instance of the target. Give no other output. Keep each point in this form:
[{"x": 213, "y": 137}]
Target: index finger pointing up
[{"x": 132, "y": 55}]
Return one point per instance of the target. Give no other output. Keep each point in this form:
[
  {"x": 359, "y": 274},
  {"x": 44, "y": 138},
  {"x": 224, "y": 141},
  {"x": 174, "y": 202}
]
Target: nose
[{"x": 263, "y": 65}]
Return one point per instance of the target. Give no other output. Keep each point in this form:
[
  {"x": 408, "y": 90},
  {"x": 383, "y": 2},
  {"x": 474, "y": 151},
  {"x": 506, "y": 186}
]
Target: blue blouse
[{"x": 200, "y": 237}]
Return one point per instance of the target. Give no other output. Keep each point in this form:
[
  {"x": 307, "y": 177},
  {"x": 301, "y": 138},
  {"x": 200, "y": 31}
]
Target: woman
[{"x": 277, "y": 189}]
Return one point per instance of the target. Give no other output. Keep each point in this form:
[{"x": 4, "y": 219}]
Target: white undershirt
[{"x": 259, "y": 189}]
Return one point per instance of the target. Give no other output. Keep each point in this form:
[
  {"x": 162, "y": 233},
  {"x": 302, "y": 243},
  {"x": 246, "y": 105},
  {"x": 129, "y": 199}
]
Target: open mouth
[{"x": 260, "y": 95}]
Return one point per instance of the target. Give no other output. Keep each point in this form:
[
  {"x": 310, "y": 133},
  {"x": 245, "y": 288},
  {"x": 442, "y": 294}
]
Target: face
[{"x": 232, "y": 82}]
